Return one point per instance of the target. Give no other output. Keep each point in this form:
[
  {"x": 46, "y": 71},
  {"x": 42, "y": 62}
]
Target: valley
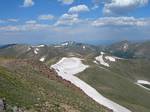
[{"x": 74, "y": 71}]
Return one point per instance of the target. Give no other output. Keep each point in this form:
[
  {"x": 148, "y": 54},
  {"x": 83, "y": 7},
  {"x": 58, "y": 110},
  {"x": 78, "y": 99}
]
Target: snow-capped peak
[{"x": 65, "y": 44}]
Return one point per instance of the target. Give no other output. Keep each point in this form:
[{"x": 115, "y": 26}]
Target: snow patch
[
  {"x": 102, "y": 53},
  {"x": 29, "y": 48},
  {"x": 62, "y": 45},
  {"x": 100, "y": 60},
  {"x": 42, "y": 59},
  {"x": 65, "y": 44},
  {"x": 141, "y": 82},
  {"x": 68, "y": 67},
  {"x": 83, "y": 47},
  {"x": 110, "y": 58},
  {"x": 118, "y": 58},
  {"x": 71, "y": 65},
  {"x": 95, "y": 62},
  {"x": 36, "y": 50},
  {"x": 38, "y": 46}
]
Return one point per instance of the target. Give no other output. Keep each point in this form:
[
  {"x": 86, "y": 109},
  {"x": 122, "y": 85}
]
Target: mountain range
[{"x": 29, "y": 81}]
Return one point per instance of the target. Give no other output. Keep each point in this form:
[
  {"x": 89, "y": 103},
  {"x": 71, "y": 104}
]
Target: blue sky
[{"x": 90, "y": 21}]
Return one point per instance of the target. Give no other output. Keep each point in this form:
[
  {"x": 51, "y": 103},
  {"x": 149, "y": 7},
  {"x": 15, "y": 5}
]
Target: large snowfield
[{"x": 68, "y": 67}]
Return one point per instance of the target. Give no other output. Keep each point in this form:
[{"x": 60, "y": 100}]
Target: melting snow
[
  {"x": 39, "y": 46},
  {"x": 102, "y": 53},
  {"x": 110, "y": 58},
  {"x": 36, "y": 50},
  {"x": 67, "y": 67},
  {"x": 95, "y": 62},
  {"x": 143, "y": 82},
  {"x": 42, "y": 59},
  {"x": 29, "y": 48},
  {"x": 83, "y": 47},
  {"x": 140, "y": 82},
  {"x": 101, "y": 61},
  {"x": 65, "y": 44}
]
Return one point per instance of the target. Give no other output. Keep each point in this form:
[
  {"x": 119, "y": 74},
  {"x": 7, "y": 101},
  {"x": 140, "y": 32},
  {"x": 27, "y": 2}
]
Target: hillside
[
  {"x": 32, "y": 86},
  {"x": 118, "y": 72},
  {"x": 118, "y": 82}
]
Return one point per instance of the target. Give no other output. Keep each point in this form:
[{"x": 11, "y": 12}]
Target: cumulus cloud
[
  {"x": 78, "y": 9},
  {"x": 68, "y": 19},
  {"x": 121, "y": 21},
  {"x": 98, "y": 29},
  {"x": 46, "y": 17},
  {"x": 66, "y": 2},
  {"x": 28, "y": 3},
  {"x": 119, "y": 7}
]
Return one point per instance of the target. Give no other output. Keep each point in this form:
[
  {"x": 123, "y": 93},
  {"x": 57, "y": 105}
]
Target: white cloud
[
  {"x": 68, "y": 19},
  {"x": 28, "y": 3},
  {"x": 9, "y": 28},
  {"x": 137, "y": 28},
  {"x": 121, "y": 21},
  {"x": 71, "y": 25},
  {"x": 25, "y": 27},
  {"x": 78, "y": 9},
  {"x": 12, "y": 20},
  {"x": 67, "y": 2},
  {"x": 46, "y": 17},
  {"x": 31, "y": 22},
  {"x": 118, "y": 7},
  {"x": 69, "y": 16}
]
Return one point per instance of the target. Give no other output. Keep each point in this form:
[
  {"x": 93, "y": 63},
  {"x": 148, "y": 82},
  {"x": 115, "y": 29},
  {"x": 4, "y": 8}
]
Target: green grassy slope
[
  {"x": 118, "y": 83},
  {"x": 26, "y": 86}
]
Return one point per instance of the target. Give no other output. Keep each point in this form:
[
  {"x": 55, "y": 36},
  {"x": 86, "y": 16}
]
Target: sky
[{"x": 88, "y": 21}]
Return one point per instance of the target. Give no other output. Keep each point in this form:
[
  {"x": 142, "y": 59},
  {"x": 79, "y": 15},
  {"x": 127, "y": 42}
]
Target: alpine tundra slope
[{"x": 68, "y": 67}]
